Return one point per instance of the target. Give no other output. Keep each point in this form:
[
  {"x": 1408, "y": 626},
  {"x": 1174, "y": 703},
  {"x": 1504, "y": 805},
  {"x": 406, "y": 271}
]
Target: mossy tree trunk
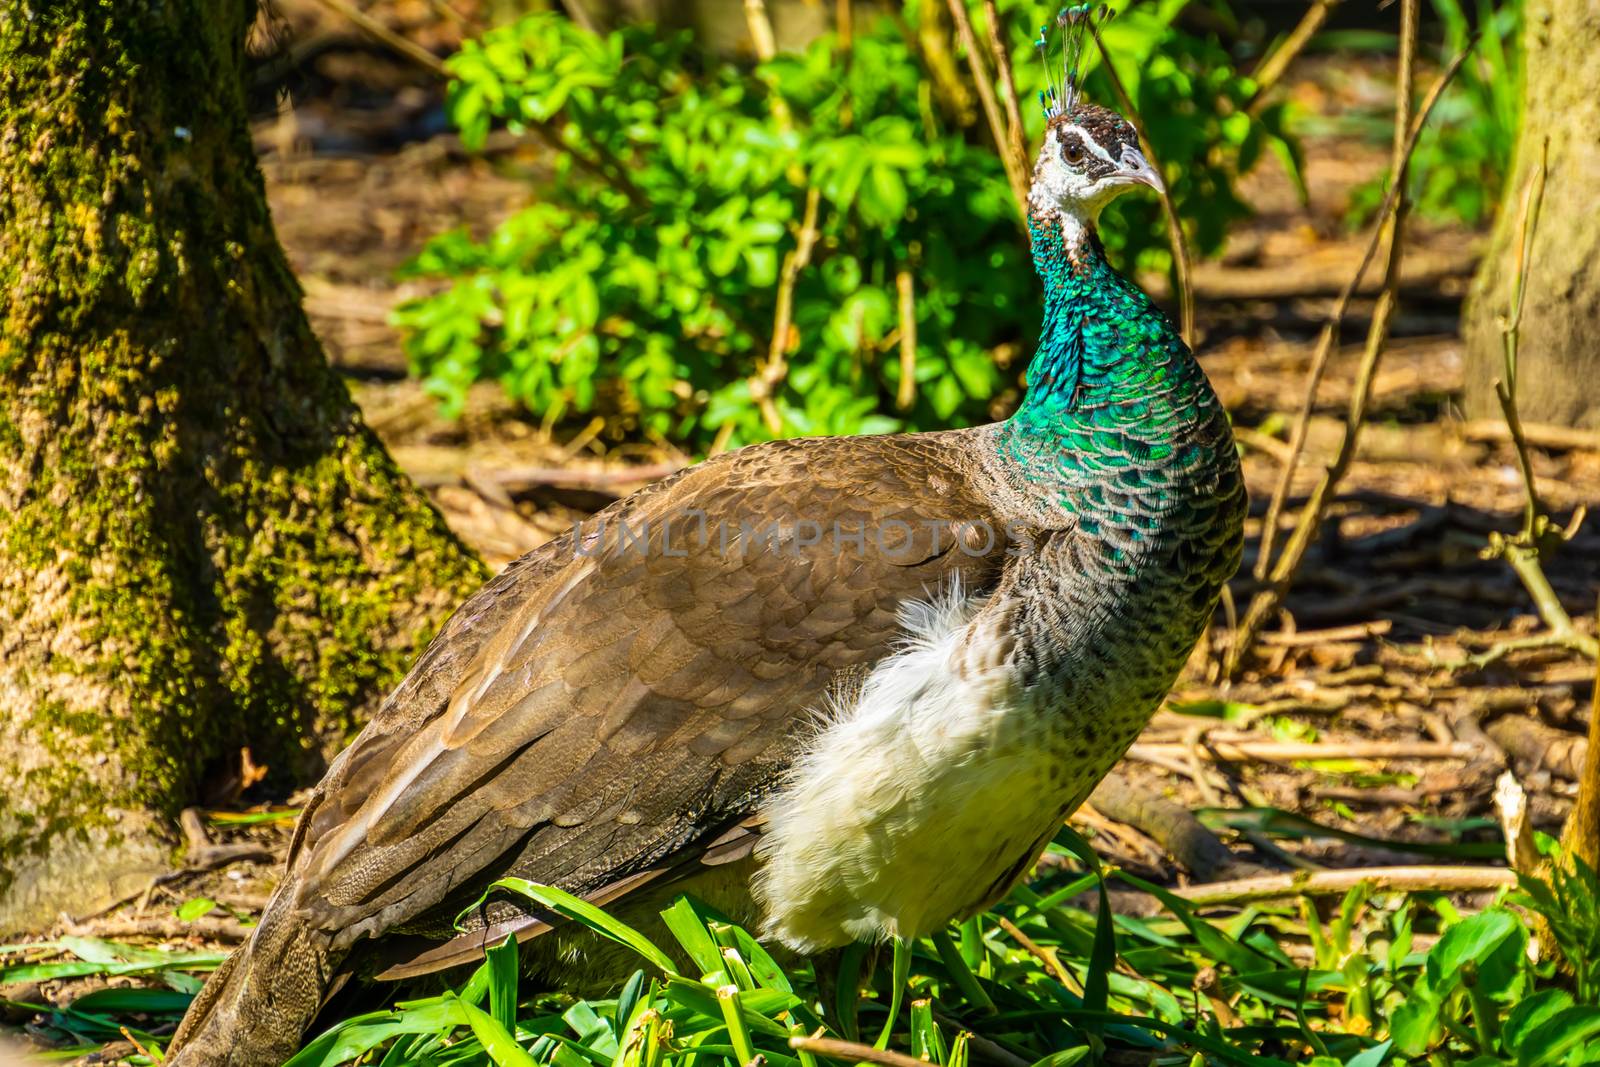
[
  {"x": 1558, "y": 378},
  {"x": 202, "y": 547}
]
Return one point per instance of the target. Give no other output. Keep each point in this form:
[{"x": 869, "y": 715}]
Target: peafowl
[{"x": 840, "y": 689}]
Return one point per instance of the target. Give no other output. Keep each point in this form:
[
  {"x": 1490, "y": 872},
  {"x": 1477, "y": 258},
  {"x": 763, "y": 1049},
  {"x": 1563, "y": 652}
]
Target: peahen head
[{"x": 1090, "y": 155}]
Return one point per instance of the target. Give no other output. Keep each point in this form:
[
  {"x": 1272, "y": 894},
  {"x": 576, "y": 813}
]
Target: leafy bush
[
  {"x": 643, "y": 282},
  {"x": 1464, "y": 153}
]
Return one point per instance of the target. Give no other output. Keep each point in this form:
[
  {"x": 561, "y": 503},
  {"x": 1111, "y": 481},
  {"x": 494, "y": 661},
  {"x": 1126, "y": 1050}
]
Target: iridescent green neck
[
  {"x": 1087, "y": 304},
  {"x": 1116, "y": 403}
]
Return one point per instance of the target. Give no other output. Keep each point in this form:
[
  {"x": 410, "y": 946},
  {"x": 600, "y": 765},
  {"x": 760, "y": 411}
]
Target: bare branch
[
  {"x": 1280, "y": 573},
  {"x": 1008, "y": 85},
  {"x": 1272, "y": 68},
  {"x": 1337, "y": 883},
  {"x": 991, "y": 107},
  {"x": 766, "y": 381},
  {"x": 905, "y": 286}
]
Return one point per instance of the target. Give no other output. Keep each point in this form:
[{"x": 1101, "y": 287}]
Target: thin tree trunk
[
  {"x": 1559, "y": 376},
  {"x": 202, "y": 546}
]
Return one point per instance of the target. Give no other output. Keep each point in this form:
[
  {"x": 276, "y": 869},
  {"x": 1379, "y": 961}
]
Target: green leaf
[
  {"x": 133, "y": 1002},
  {"x": 901, "y": 973},
  {"x": 1550, "y": 1042},
  {"x": 194, "y": 908},
  {"x": 1473, "y": 941},
  {"x": 1532, "y": 1013},
  {"x": 1414, "y": 1022},
  {"x": 502, "y": 963},
  {"x": 1103, "y": 957},
  {"x": 1372, "y": 1057}
]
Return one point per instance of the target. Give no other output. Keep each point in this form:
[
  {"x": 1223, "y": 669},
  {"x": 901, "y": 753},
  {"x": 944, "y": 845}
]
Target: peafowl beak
[{"x": 1134, "y": 169}]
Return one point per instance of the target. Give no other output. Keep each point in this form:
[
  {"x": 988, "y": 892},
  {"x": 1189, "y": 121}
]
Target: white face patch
[{"x": 1082, "y": 187}]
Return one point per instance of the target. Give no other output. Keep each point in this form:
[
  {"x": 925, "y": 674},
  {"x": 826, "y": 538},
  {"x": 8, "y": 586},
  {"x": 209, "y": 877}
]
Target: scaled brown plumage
[{"x": 586, "y": 719}]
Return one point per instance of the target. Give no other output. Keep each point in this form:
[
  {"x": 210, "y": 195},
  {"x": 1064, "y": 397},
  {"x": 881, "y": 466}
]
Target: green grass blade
[
  {"x": 497, "y": 1041},
  {"x": 686, "y": 923},
  {"x": 956, "y": 966},
  {"x": 1103, "y": 958},
  {"x": 584, "y": 913},
  {"x": 902, "y": 975},
  {"x": 502, "y": 974},
  {"x": 738, "y": 1032}
]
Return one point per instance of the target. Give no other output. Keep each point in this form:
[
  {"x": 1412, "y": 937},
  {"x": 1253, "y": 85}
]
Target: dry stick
[
  {"x": 761, "y": 35},
  {"x": 1271, "y": 69},
  {"x": 1523, "y": 551},
  {"x": 1330, "y": 331},
  {"x": 1175, "y": 235},
  {"x": 991, "y": 107},
  {"x": 1008, "y": 85},
  {"x": 852, "y": 1052},
  {"x": 1294, "y": 751},
  {"x": 765, "y": 382},
  {"x": 1265, "y": 603},
  {"x": 385, "y": 36},
  {"x": 448, "y": 10},
  {"x": 1538, "y": 434},
  {"x": 1169, "y": 824},
  {"x": 1043, "y": 955},
  {"x": 906, "y": 395},
  {"x": 1335, "y": 883}
]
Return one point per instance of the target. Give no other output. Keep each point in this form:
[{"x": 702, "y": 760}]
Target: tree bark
[
  {"x": 1558, "y": 378},
  {"x": 202, "y": 547}
]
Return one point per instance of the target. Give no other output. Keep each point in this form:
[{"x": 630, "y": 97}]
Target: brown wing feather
[{"x": 634, "y": 704}]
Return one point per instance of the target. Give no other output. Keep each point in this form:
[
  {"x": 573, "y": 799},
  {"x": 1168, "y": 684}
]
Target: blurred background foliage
[
  {"x": 1463, "y": 156},
  {"x": 643, "y": 280}
]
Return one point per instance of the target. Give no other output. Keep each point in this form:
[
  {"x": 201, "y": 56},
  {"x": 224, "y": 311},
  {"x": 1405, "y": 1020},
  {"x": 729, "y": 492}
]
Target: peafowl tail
[{"x": 255, "y": 1008}]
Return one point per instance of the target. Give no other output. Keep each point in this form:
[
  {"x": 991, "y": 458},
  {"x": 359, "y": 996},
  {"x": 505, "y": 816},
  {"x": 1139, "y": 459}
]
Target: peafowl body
[{"x": 856, "y": 734}]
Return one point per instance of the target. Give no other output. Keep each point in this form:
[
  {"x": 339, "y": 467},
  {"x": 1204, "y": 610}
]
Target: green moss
[{"x": 201, "y": 545}]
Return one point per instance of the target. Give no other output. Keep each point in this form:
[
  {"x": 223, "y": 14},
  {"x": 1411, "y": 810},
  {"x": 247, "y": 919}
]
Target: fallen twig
[
  {"x": 165, "y": 928},
  {"x": 1278, "y": 450},
  {"x": 1295, "y": 751},
  {"x": 1015, "y": 171},
  {"x": 1042, "y": 954},
  {"x": 1537, "y": 745},
  {"x": 1169, "y": 824},
  {"x": 1360, "y": 631},
  {"x": 852, "y": 1052},
  {"x": 1336, "y": 883},
  {"x": 386, "y": 37},
  {"x": 1538, "y": 434},
  {"x": 521, "y": 479}
]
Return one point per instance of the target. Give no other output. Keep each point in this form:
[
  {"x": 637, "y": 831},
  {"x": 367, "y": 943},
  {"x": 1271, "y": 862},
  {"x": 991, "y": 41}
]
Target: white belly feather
[{"x": 915, "y": 797}]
